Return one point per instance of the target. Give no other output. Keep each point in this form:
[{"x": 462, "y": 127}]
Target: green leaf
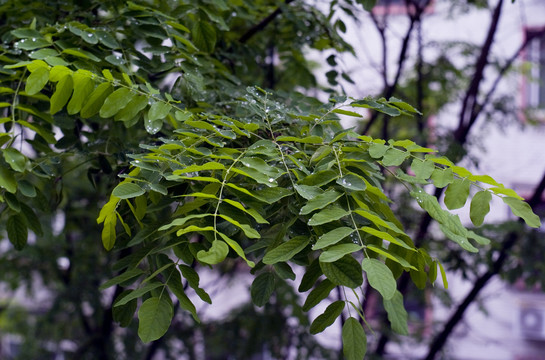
[
  {"x": 159, "y": 110},
  {"x": 327, "y": 215},
  {"x": 380, "y": 277},
  {"x": 457, "y": 193},
  {"x": 442, "y": 178},
  {"x": 31, "y": 218},
  {"x": 376, "y": 105},
  {"x": 352, "y": 182},
  {"x": 15, "y": 159},
  {"x": 133, "y": 108},
  {"x": 193, "y": 280},
  {"x": 175, "y": 285},
  {"x": 321, "y": 153},
  {"x": 385, "y": 236},
  {"x": 81, "y": 54},
  {"x": 17, "y": 231},
  {"x": 313, "y": 139},
  {"x": 58, "y": 72},
  {"x": 308, "y": 192},
  {"x": 96, "y": 100},
  {"x": 182, "y": 221},
  {"x": 115, "y": 102},
  {"x": 216, "y": 254},
  {"x": 312, "y": 274},
  {"x": 332, "y": 237},
  {"x": 252, "y": 212},
  {"x": 107, "y": 39},
  {"x": 336, "y": 252},
  {"x": 457, "y": 236},
  {"x": 398, "y": 259},
  {"x": 138, "y": 292},
  {"x": 284, "y": 271},
  {"x": 62, "y": 94},
  {"x": 12, "y": 202},
  {"x": 422, "y": 169},
  {"x": 268, "y": 195},
  {"x": 131, "y": 274},
  {"x": 262, "y": 288},
  {"x": 212, "y": 165},
  {"x": 480, "y": 206},
  {"x": 377, "y": 150},
  {"x": 261, "y": 166},
  {"x": 395, "y": 101},
  {"x": 320, "y": 178},
  {"x": 346, "y": 112},
  {"x": 37, "y": 80},
  {"x": 83, "y": 87},
  {"x": 505, "y": 191},
  {"x": 320, "y": 292},
  {"x": 443, "y": 275},
  {"x": 125, "y": 313},
  {"x": 238, "y": 249},
  {"x": 152, "y": 126},
  {"x": 397, "y": 315},
  {"x": 155, "y": 315},
  {"x": 523, "y": 210},
  {"x": 320, "y": 201},
  {"x": 32, "y": 43},
  {"x": 204, "y": 36},
  {"x": 7, "y": 180},
  {"x": 354, "y": 340},
  {"x": 27, "y": 189},
  {"x": 345, "y": 271},
  {"x": 247, "y": 229},
  {"x": 108, "y": 231},
  {"x": 287, "y": 250},
  {"x": 331, "y": 313},
  {"x": 127, "y": 190},
  {"x": 394, "y": 157}
]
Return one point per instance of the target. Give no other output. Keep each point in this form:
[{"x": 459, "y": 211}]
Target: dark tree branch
[
  {"x": 510, "y": 240},
  {"x": 507, "y": 66},
  {"x": 390, "y": 89},
  {"x": 470, "y": 111},
  {"x": 262, "y": 24}
]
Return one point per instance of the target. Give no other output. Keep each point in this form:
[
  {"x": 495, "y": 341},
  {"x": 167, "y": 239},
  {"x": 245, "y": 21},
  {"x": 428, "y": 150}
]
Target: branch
[
  {"x": 507, "y": 66},
  {"x": 390, "y": 89},
  {"x": 262, "y": 24},
  {"x": 510, "y": 240},
  {"x": 469, "y": 104}
]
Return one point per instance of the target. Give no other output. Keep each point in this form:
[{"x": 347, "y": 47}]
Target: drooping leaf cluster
[{"x": 222, "y": 172}]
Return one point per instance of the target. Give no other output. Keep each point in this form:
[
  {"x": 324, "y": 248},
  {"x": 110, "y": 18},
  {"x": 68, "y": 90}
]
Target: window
[{"x": 535, "y": 83}]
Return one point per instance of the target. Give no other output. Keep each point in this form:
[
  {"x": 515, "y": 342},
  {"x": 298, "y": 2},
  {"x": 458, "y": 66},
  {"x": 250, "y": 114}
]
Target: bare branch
[{"x": 470, "y": 110}]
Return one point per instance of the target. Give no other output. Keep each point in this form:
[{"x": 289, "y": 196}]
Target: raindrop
[{"x": 271, "y": 180}]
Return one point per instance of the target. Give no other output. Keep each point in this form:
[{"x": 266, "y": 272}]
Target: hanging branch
[{"x": 510, "y": 240}]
